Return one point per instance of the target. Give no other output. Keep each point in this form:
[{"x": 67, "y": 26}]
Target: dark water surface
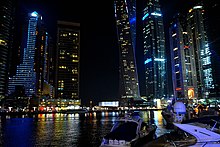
[{"x": 64, "y": 130}]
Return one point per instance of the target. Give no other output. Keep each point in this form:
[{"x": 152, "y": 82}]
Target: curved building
[{"x": 125, "y": 14}]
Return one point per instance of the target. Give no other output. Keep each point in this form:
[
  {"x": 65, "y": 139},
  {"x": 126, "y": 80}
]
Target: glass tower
[
  {"x": 30, "y": 73},
  {"x": 125, "y": 14},
  {"x": 6, "y": 28},
  {"x": 154, "y": 50},
  {"x": 212, "y": 21},
  {"x": 196, "y": 29},
  {"x": 68, "y": 45},
  {"x": 184, "y": 71}
]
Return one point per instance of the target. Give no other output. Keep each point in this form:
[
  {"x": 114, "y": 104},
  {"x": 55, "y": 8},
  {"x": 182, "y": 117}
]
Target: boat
[
  {"x": 169, "y": 119},
  {"x": 205, "y": 137},
  {"x": 196, "y": 133},
  {"x": 174, "y": 113},
  {"x": 129, "y": 131}
]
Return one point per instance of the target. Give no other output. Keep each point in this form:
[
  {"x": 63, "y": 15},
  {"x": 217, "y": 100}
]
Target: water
[{"x": 66, "y": 130}]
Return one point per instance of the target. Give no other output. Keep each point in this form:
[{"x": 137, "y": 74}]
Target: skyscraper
[
  {"x": 184, "y": 71},
  {"x": 68, "y": 47},
  {"x": 125, "y": 14},
  {"x": 31, "y": 73},
  {"x": 154, "y": 50},
  {"x": 197, "y": 31},
  {"x": 191, "y": 58},
  {"x": 7, "y": 10},
  {"x": 212, "y": 20}
]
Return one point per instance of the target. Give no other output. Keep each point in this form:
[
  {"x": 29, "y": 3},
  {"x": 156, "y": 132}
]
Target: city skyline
[{"x": 98, "y": 44}]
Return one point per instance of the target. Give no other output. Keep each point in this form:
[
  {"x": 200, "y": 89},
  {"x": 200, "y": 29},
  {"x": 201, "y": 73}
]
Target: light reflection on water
[{"x": 77, "y": 130}]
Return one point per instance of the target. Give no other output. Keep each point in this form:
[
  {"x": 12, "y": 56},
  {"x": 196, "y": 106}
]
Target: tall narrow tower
[
  {"x": 211, "y": 8},
  {"x": 154, "y": 50},
  {"x": 68, "y": 46},
  {"x": 196, "y": 29},
  {"x": 31, "y": 73},
  {"x": 125, "y": 13},
  {"x": 6, "y": 38},
  {"x": 182, "y": 60}
]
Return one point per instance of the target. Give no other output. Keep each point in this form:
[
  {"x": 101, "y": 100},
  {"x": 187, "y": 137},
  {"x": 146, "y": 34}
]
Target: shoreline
[{"x": 72, "y": 112}]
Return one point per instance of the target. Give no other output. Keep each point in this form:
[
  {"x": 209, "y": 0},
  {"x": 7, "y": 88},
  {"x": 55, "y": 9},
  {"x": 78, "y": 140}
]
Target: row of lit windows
[
  {"x": 62, "y": 67},
  {"x": 70, "y": 34},
  {"x": 74, "y": 56},
  {"x": 3, "y": 42},
  {"x": 75, "y": 71},
  {"x": 75, "y": 60}
]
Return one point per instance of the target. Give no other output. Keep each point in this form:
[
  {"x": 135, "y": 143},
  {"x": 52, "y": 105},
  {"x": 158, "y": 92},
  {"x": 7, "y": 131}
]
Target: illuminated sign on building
[{"x": 109, "y": 104}]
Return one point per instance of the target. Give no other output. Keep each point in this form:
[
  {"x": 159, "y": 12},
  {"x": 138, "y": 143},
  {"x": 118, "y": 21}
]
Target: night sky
[{"x": 99, "y": 77}]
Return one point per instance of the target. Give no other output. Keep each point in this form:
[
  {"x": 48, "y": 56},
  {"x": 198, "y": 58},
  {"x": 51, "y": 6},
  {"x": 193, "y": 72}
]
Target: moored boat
[
  {"x": 174, "y": 113},
  {"x": 204, "y": 136},
  {"x": 196, "y": 133},
  {"x": 129, "y": 131}
]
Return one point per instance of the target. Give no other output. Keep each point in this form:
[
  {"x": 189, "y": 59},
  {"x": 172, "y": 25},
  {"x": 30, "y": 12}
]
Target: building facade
[
  {"x": 212, "y": 21},
  {"x": 68, "y": 62},
  {"x": 184, "y": 71},
  {"x": 154, "y": 50},
  {"x": 191, "y": 56},
  {"x": 125, "y": 14},
  {"x": 7, "y": 14},
  {"x": 197, "y": 31}
]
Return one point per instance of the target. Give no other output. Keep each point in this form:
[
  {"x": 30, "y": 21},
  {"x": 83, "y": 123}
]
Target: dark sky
[{"x": 99, "y": 53}]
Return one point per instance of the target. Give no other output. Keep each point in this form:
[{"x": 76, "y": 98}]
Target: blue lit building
[
  {"x": 154, "y": 50},
  {"x": 31, "y": 73},
  {"x": 125, "y": 14}
]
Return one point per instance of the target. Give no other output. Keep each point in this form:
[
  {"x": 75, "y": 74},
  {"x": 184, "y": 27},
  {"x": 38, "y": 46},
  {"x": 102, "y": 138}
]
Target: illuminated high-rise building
[
  {"x": 68, "y": 50},
  {"x": 154, "y": 50},
  {"x": 184, "y": 71},
  {"x": 7, "y": 13},
  {"x": 192, "y": 71},
  {"x": 125, "y": 14},
  {"x": 31, "y": 73},
  {"x": 196, "y": 30},
  {"x": 212, "y": 20}
]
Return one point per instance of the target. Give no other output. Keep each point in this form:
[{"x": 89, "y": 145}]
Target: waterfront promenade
[{"x": 76, "y": 111}]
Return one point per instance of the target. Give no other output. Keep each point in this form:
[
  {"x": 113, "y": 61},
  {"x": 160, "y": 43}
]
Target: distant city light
[
  {"x": 197, "y": 7},
  {"x": 147, "y": 61},
  {"x": 159, "y": 59},
  {"x": 145, "y": 16},
  {"x": 133, "y": 20},
  {"x": 153, "y": 13},
  {"x": 156, "y": 14},
  {"x": 34, "y": 14}
]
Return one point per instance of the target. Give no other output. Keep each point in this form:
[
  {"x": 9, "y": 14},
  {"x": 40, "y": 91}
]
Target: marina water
[{"x": 76, "y": 130}]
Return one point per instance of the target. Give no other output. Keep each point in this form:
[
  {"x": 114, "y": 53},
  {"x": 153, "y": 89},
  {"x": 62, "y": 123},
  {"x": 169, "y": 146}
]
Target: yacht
[
  {"x": 129, "y": 131},
  {"x": 196, "y": 133},
  {"x": 204, "y": 135}
]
